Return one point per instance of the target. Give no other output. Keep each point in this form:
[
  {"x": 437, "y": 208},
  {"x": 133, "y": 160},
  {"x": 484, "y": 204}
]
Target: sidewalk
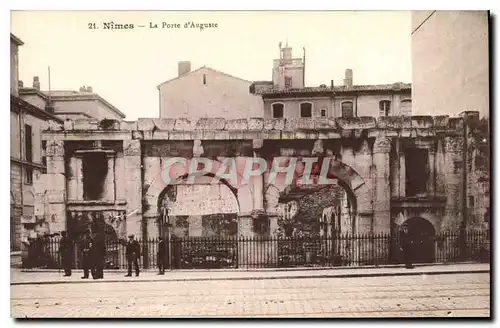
[{"x": 18, "y": 277}]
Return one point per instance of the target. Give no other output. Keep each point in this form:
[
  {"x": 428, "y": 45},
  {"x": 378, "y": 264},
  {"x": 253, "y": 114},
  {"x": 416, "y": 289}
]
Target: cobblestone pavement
[{"x": 450, "y": 295}]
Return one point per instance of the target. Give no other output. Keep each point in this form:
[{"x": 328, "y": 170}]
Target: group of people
[{"x": 94, "y": 254}]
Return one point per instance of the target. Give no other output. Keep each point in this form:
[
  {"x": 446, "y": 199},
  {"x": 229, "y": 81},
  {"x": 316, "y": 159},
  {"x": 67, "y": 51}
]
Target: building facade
[
  {"x": 27, "y": 157},
  {"x": 206, "y": 92},
  {"x": 287, "y": 97},
  {"x": 390, "y": 170},
  {"x": 82, "y": 104},
  {"x": 450, "y": 62}
]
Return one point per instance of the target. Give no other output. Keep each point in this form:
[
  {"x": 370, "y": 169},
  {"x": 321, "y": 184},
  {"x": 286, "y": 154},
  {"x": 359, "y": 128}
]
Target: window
[
  {"x": 28, "y": 143},
  {"x": 44, "y": 157},
  {"x": 347, "y": 109},
  {"x": 306, "y": 110},
  {"x": 406, "y": 107},
  {"x": 28, "y": 176},
  {"x": 385, "y": 107},
  {"x": 323, "y": 112},
  {"x": 278, "y": 110},
  {"x": 204, "y": 79},
  {"x": 95, "y": 169},
  {"x": 288, "y": 82},
  {"x": 417, "y": 172}
]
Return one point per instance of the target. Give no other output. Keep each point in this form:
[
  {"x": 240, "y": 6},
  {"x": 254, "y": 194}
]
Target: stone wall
[{"x": 367, "y": 155}]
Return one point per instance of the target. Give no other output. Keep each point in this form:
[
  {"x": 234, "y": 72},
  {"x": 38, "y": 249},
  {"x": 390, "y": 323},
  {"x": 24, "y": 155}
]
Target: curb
[
  {"x": 291, "y": 269},
  {"x": 348, "y": 275}
]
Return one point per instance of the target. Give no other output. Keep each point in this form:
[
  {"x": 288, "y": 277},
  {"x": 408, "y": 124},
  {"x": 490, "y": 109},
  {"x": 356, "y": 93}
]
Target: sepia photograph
[{"x": 250, "y": 164}]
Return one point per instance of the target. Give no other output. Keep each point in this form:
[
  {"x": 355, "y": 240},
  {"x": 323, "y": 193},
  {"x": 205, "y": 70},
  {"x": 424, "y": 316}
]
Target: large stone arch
[
  {"x": 349, "y": 180},
  {"x": 157, "y": 189}
]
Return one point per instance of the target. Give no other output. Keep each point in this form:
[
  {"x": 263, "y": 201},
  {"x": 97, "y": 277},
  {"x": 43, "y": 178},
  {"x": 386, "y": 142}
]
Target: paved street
[{"x": 448, "y": 295}]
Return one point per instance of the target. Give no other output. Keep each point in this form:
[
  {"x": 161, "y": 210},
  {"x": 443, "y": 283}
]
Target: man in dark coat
[
  {"x": 99, "y": 256},
  {"x": 133, "y": 252},
  {"x": 162, "y": 253},
  {"x": 87, "y": 260},
  {"x": 406, "y": 245},
  {"x": 66, "y": 252}
]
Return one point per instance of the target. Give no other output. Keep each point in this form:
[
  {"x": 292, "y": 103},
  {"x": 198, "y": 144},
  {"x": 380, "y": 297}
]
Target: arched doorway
[{"x": 422, "y": 232}]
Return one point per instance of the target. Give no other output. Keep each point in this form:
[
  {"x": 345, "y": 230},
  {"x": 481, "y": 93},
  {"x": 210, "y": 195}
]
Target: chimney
[
  {"x": 36, "y": 82},
  {"x": 348, "y": 78},
  {"x": 83, "y": 89},
  {"x": 20, "y": 84},
  {"x": 184, "y": 67},
  {"x": 287, "y": 53},
  {"x": 332, "y": 84},
  {"x": 89, "y": 89}
]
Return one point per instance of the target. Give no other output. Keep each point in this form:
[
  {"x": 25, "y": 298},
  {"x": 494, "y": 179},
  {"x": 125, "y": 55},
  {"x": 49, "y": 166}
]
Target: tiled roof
[
  {"x": 198, "y": 69},
  {"x": 339, "y": 89},
  {"x": 70, "y": 95}
]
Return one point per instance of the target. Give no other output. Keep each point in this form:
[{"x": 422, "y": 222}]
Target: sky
[{"x": 125, "y": 66}]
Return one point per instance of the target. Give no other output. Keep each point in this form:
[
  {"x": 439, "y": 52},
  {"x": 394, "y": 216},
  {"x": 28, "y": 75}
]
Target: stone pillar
[
  {"x": 119, "y": 177},
  {"x": 258, "y": 181},
  {"x": 79, "y": 176},
  {"x": 382, "y": 201},
  {"x": 72, "y": 179},
  {"x": 109, "y": 182},
  {"x": 133, "y": 185},
  {"x": 431, "y": 185},
  {"x": 454, "y": 164},
  {"x": 402, "y": 172},
  {"x": 56, "y": 186}
]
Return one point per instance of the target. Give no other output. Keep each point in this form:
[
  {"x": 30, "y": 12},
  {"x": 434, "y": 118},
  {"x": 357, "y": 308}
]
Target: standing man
[
  {"x": 406, "y": 246},
  {"x": 87, "y": 262},
  {"x": 66, "y": 253},
  {"x": 99, "y": 256},
  {"x": 162, "y": 253},
  {"x": 133, "y": 252}
]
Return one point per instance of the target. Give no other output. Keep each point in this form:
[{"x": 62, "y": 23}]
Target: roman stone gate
[{"x": 387, "y": 170}]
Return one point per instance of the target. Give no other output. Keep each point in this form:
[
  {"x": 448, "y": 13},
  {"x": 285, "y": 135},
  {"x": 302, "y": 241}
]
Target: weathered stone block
[
  {"x": 55, "y": 165},
  {"x": 325, "y": 123},
  {"x": 390, "y": 122},
  {"x": 441, "y": 121},
  {"x": 183, "y": 124},
  {"x": 255, "y": 124},
  {"x": 210, "y": 124},
  {"x": 238, "y": 124},
  {"x": 363, "y": 122},
  {"x": 305, "y": 123},
  {"x": 422, "y": 122},
  {"x": 456, "y": 123},
  {"x": 137, "y": 135},
  {"x": 85, "y": 124},
  {"x": 165, "y": 124},
  {"x": 128, "y": 125},
  {"x": 145, "y": 124},
  {"x": 291, "y": 124},
  {"x": 68, "y": 125}
]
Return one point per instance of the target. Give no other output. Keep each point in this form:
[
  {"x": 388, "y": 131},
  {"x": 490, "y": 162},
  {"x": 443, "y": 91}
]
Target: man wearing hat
[
  {"x": 133, "y": 252},
  {"x": 406, "y": 246},
  {"x": 87, "y": 260},
  {"x": 162, "y": 253}
]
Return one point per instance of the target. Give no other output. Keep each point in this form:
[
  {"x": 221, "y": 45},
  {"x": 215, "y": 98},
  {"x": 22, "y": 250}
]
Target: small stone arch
[{"x": 422, "y": 233}]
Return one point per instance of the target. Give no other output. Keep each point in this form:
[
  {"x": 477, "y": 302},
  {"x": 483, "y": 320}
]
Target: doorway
[{"x": 422, "y": 232}]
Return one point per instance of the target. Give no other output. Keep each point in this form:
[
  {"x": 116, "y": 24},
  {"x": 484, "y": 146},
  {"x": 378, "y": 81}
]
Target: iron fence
[{"x": 273, "y": 252}]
